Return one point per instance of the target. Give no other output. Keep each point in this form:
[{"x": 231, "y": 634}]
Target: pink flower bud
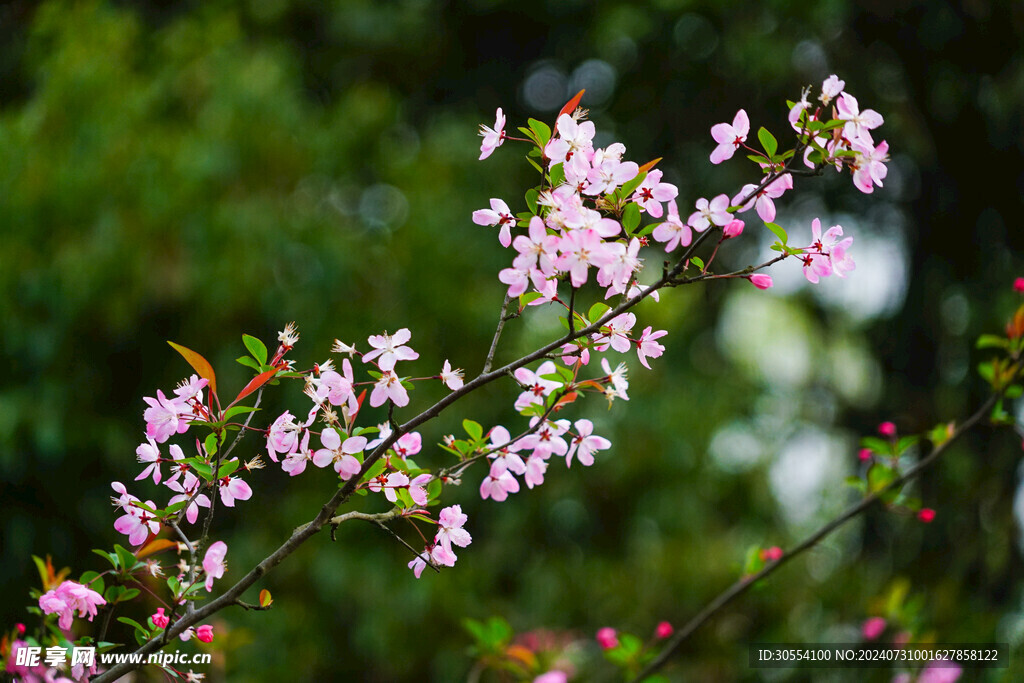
[
  {"x": 663, "y": 630},
  {"x": 864, "y": 454},
  {"x": 205, "y": 633},
  {"x": 607, "y": 638},
  {"x": 926, "y": 515},
  {"x": 773, "y": 554},
  {"x": 160, "y": 620},
  {"x": 21, "y": 629},
  {"x": 872, "y": 628},
  {"x": 1018, "y": 285},
  {"x": 887, "y": 429},
  {"x": 761, "y": 281},
  {"x": 735, "y": 229}
]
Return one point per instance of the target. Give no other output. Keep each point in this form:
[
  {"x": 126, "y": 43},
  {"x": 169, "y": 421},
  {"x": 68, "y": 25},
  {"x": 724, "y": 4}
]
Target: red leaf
[
  {"x": 155, "y": 546},
  {"x": 571, "y": 105},
  {"x": 254, "y": 384},
  {"x": 198, "y": 363},
  {"x": 649, "y": 165}
]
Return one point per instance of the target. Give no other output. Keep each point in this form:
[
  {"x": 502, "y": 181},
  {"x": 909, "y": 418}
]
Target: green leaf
[
  {"x": 248, "y": 362},
  {"x": 627, "y": 189},
  {"x": 597, "y": 311},
  {"x": 535, "y": 165},
  {"x": 857, "y": 483},
  {"x": 697, "y": 261},
  {"x": 541, "y": 129},
  {"x": 557, "y": 174},
  {"x": 474, "y": 429},
  {"x": 779, "y": 232},
  {"x": 876, "y": 445},
  {"x": 125, "y": 557},
  {"x": 133, "y": 623},
  {"x": 204, "y": 470},
  {"x": 109, "y": 557},
  {"x": 210, "y": 443},
  {"x": 768, "y": 141},
  {"x": 531, "y": 200},
  {"x": 987, "y": 372},
  {"x": 434, "y": 489},
  {"x": 992, "y": 341},
  {"x": 238, "y": 410},
  {"x": 906, "y": 442},
  {"x": 92, "y": 580},
  {"x": 257, "y": 348},
  {"x": 880, "y": 476},
  {"x": 1014, "y": 391},
  {"x": 530, "y": 134},
  {"x": 374, "y": 470},
  {"x": 129, "y": 594},
  {"x": 631, "y": 217},
  {"x": 227, "y": 468}
]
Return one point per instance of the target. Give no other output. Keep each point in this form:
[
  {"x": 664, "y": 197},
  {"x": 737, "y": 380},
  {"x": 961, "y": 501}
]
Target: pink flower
[
  {"x": 864, "y": 454},
  {"x": 538, "y": 250},
  {"x": 499, "y": 214},
  {"x": 160, "y": 620},
  {"x": 70, "y": 597},
  {"x": 869, "y": 165},
  {"x": 536, "y": 387},
  {"x": 389, "y": 484},
  {"x": 646, "y": 347},
  {"x": 652, "y": 192},
  {"x": 389, "y": 387},
  {"x": 341, "y": 454},
  {"x": 451, "y": 378},
  {"x": 773, "y": 554},
  {"x": 872, "y": 628},
  {"x": 186, "y": 490},
  {"x": 710, "y": 213},
  {"x": 887, "y": 429},
  {"x": 572, "y": 137},
  {"x": 552, "y": 677},
  {"x": 408, "y": 444},
  {"x": 1018, "y": 285},
  {"x": 607, "y": 638},
  {"x": 338, "y": 386},
  {"x": 580, "y": 250},
  {"x": 763, "y": 200},
  {"x": 390, "y": 349},
  {"x": 449, "y": 528},
  {"x": 149, "y": 453},
  {"x": 617, "y": 335},
  {"x": 165, "y": 417},
  {"x": 498, "y": 487},
  {"x": 585, "y": 444},
  {"x": 137, "y": 524},
  {"x": 761, "y": 281},
  {"x": 831, "y": 88},
  {"x": 673, "y": 231},
  {"x": 663, "y": 630},
  {"x": 205, "y": 633},
  {"x": 434, "y": 555},
  {"x": 729, "y": 138},
  {"x": 232, "y": 489},
  {"x": 926, "y": 515},
  {"x": 940, "y": 672},
  {"x": 283, "y": 435},
  {"x": 492, "y": 137},
  {"x": 608, "y": 175},
  {"x": 858, "y": 123},
  {"x": 733, "y": 228},
  {"x": 213, "y": 563}
]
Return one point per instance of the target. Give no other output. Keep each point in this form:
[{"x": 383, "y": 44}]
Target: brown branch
[{"x": 744, "y": 583}]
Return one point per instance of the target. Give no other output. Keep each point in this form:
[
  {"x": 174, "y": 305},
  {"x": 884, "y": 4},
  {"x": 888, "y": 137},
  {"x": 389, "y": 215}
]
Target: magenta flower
[
  {"x": 390, "y": 349},
  {"x": 873, "y": 627},
  {"x": 492, "y": 137},
  {"x": 205, "y": 633},
  {"x": 663, "y": 630},
  {"x": 733, "y": 229},
  {"x": 887, "y": 429},
  {"x": 607, "y": 638},
  {"x": 761, "y": 281},
  {"x": 729, "y": 137},
  {"x": 160, "y": 620},
  {"x": 213, "y": 563},
  {"x": 499, "y": 214},
  {"x": 70, "y": 597},
  {"x": 926, "y": 515}
]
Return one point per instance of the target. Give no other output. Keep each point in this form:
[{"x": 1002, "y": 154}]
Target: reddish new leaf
[
  {"x": 265, "y": 599},
  {"x": 254, "y": 384},
  {"x": 198, "y": 363},
  {"x": 649, "y": 165},
  {"x": 571, "y": 105},
  {"x": 155, "y": 546}
]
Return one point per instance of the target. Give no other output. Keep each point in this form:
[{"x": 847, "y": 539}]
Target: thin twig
[
  {"x": 497, "y": 335},
  {"x": 744, "y": 583}
]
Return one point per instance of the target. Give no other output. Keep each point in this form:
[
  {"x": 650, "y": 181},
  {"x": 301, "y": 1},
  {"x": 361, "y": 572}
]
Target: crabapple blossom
[
  {"x": 186, "y": 489},
  {"x": 232, "y": 489},
  {"x": 492, "y": 137},
  {"x": 572, "y": 137},
  {"x": 585, "y": 443},
  {"x": 408, "y": 444},
  {"x": 831, "y": 88},
  {"x": 213, "y": 562},
  {"x": 504, "y": 456},
  {"x": 618, "y": 334},
  {"x": 733, "y": 228},
  {"x": 283, "y": 435},
  {"x": 538, "y": 250},
  {"x": 389, "y": 483},
  {"x": 389, "y": 387},
  {"x": 617, "y": 273},
  {"x": 418, "y": 490},
  {"x": 729, "y": 137},
  {"x": 341, "y": 454},
  {"x": 858, "y": 123},
  {"x": 149, "y": 453},
  {"x": 451, "y": 378},
  {"x": 390, "y": 349},
  {"x": 762, "y": 200},
  {"x": 546, "y": 440},
  {"x": 663, "y": 630},
  {"x": 165, "y": 417},
  {"x": 497, "y": 487},
  {"x": 160, "y": 620},
  {"x": 646, "y": 347},
  {"x": 926, "y": 515},
  {"x": 869, "y": 165},
  {"x": 673, "y": 231},
  {"x": 1018, "y": 285},
  {"x": 536, "y": 466},
  {"x": 710, "y": 213},
  {"x": 499, "y": 214},
  {"x": 617, "y": 384},
  {"x": 552, "y": 677},
  {"x": 652, "y": 192},
  {"x": 449, "y": 528},
  {"x": 430, "y": 555},
  {"x": 607, "y": 638},
  {"x": 873, "y": 627},
  {"x": 605, "y": 177},
  {"x": 137, "y": 524},
  {"x": 70, "y": 597},
  {"x": 536, "y": 386},
  {"x": 580, "y": 250},
  {"x": 205, "y": 633}
]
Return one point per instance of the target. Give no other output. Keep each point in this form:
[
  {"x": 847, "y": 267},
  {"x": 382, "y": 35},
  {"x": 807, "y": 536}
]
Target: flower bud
[
  {"x": 735, "y": 229},
  {"x": 761, "y": 281}
]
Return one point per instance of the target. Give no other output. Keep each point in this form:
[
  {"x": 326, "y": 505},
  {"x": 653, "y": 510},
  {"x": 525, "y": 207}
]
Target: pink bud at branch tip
[
  {"x": 864, "y": 454},
  {"x": 1018, "y": 285},
  {"x": 873, "y": 627},
  {"x": 887, "y": 429},
  {"x": 926, "y": 515},
  {"x": 735, "y": 229},
  {"x": 761, "y": 281},
  {"x": 607, "y": 638},
  {"x": 773, "y": 554},
  {"x": 663, "y": 630},
  {"x": 205, "y": 633}
]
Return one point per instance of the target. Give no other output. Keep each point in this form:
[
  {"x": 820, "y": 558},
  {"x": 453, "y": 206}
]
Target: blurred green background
[{"x": 195, "y": 170}]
